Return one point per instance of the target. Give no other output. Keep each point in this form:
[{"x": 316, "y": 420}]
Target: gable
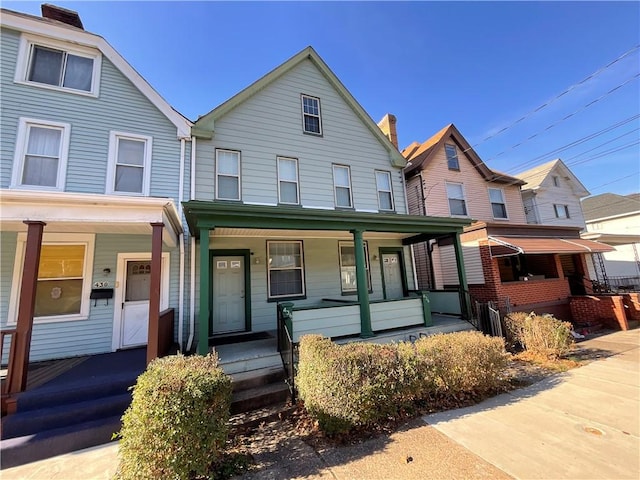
[{"x": 542, "y": 176}]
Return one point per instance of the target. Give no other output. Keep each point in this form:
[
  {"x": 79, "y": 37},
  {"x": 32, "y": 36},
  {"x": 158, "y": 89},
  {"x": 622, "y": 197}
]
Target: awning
[{"x": 507, "y": 246}]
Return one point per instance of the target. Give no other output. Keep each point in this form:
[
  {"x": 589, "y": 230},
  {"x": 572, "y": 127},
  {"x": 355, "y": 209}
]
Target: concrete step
[
  {"x": 247, "y": 356},
  {"x": 257, "y": 378},
  {"x": 257, "y": 397}
]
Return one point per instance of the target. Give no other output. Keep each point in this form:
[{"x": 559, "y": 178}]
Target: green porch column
[
  {"x": 462, "y": 278},
  {"x": 363, "y": 287},
  {"x": 205, "y": 276}
]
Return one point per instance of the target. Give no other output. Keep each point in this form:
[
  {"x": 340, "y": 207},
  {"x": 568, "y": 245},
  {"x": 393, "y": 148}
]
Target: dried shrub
[
  {"x": 540, "y": 335},
  {"x": 177, "y": 424}
]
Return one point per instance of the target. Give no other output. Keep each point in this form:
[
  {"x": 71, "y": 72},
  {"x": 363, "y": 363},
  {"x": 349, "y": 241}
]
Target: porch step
[
  {"x": 247, "y": 356},
  {"x": 258, "y": 388}
]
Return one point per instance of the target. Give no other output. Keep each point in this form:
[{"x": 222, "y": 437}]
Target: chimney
[
  {"x": 388, "y": 127},
  {"x": 53, "y": 12}
]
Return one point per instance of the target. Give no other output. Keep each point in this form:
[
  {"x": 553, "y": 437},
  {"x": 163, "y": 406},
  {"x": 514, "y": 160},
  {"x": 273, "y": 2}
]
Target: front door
[
  {"x": 228, "y": 294},
  {"x": 135, "y": 305},
  {"x": 392, "y": 273}
]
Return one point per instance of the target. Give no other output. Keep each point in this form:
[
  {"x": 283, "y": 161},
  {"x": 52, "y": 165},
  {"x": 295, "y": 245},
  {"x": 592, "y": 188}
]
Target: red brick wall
[
  {"x": 632, "y": 306},
  {"x": 609, "y": 309},
  {"x": 535, "y": 291}
]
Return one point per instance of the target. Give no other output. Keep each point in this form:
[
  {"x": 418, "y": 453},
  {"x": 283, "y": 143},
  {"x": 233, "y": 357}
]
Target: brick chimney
[
  {"x": 53, "y": 12},
  {"x": 388, "y": 127}
]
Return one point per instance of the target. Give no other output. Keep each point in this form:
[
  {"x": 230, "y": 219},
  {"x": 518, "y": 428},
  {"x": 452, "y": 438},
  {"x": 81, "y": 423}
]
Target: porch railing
[
  {"x": 9, "y": 332},
  {"x": 286, "y": 346},
  {"x": 165, "y": 335}
]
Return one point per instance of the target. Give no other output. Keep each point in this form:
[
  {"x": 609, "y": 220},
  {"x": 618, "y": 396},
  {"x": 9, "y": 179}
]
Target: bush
[
  {"x": 541, "y": 335},
  {"x": 362, "y": 384},
  {"x": 176, "y": 426}
]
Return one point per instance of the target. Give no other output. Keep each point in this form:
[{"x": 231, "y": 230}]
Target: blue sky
[{"x": 479, "y": 65}]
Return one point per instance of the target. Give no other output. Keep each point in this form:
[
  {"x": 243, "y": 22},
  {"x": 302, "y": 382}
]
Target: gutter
[
  {"x": 192, "y": 258},
  {"x": 181, "y": 241}
]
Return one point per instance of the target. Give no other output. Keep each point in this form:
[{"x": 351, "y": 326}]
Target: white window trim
[
  {"x": 390, "y": 191},
  {"x": 565, "y": 210},
  {"x": 239, "y": 176},
  {"x": 21, "y": 148},
  {"x": 24, "y": 55},
  {"x": 302, "y": 97},
  {"x": 113, "y": 159},
  {"x": 335, "y": 187},
  {"x": 455, "y": 150},
  {"x": 87, "y": 275},
  {"x": 289, "y": 181},
  {"x": 301, "y": 268},
  {"x": 366, "y": 261},
  {"x": 464, "y": 197},
  {"x": 504, "y": 202}
]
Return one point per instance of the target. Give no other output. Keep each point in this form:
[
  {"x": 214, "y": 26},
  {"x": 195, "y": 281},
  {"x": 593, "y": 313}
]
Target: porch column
[
  {"x": 205, "y": 275},
  {"x": 26, "y": 306},
  {"x": 154, "y": 291},
  {"x": 462, "y": 278},
  {"x": 363, "y": 288}
]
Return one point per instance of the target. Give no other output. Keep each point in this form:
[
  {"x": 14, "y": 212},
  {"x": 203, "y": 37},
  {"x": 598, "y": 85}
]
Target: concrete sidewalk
[{"x": 583, "y": 424}]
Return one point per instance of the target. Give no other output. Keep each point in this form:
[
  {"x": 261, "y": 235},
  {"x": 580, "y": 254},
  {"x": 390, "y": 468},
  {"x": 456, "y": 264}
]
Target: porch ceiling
[{"x": 231, "y": 217}]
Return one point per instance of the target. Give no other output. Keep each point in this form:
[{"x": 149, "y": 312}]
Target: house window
[
  {"x": 556, "y": 181},
  {"x": 227, "y": 175},
  {"x": 311, "y": 121},
  {"x": 41, "y": 154},
  {"x": 64, "y": 277},
  {"x": 498, "y": 207},
  {"x": 342, "y": 186},
  {"x": 385, "y": 193},
  {"x": 562, "y": 211},
  {"x": 457, "y": 203},
  {"x": 348, "y": 267},
  {"x": 285, "y": 269},
  {"x": 288, "y": 189},
  {"x": 58, "y": 65},
  {"x": 452, "y": 157},
  {"x": 129, "y": 163}
]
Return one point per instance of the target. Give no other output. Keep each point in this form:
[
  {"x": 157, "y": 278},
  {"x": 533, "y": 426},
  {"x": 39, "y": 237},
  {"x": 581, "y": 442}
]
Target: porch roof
[
  {"x": 505, "y": 246},
  {"x": 211, "y": 215}
]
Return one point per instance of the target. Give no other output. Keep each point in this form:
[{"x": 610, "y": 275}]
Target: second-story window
[
  {"x": 452, "y": 157},
  {"x": 288, "y": 188},
  {"x": 342, "y": 186},
  {"x": 227, "y": 175},
  {"x": 562, "y": 211},
  {"x": 129, "y": 164},
  {"x": 41, "y": 154},
  {"x": 385, "y": 193},
  {"x": 498, "y": 206},
  {"x": 311, "y": 120},
  {"x": 457, "y": 203}
]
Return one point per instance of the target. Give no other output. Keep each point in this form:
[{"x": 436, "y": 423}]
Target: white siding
[
  {"x": 549, "y": 195},
  {"x": 400, "y": 313},
  {"x": 473, "y": 263}
]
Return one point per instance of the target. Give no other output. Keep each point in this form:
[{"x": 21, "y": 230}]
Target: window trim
[
  {"x": 464, "y": 199},
  {"x": 319, "y": 116},
  {"x": 565, "y": 208},
  {"x": 27, "y": 41},
  {"x": 22, "y": 139},
  {"x": 390, "y": 191},
  {"x": 272, "y": 298},
  {"x": 347, "y": 243},
  {"x": 335, "y": 187},
  {"x": 239, "y": 176},
  {"x": 503, "y": 203},
  {"x": 455, "y": 156},
  {"x": 86, "y": 239},
  {"x": 556, "y": 180},
  {"x": 114, "y": 137},
  {"x": 280, "y": 157}
]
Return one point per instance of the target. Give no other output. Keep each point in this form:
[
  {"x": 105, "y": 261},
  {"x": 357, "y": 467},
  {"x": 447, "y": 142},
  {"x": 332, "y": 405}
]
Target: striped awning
[{"x": 506, "y": 246}]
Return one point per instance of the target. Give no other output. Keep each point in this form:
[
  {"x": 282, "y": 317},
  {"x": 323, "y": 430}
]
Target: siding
[
  {"x": 473, "y": 263},
  {"x": 269, "y": 124},
  {"x": 548, "y": 195}
]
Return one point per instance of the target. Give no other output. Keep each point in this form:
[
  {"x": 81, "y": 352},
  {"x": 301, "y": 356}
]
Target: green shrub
[
  {"x": 541, "y": 335},
  {"x": 176, "y": 426},
  {"x": 362, "y": 384}
]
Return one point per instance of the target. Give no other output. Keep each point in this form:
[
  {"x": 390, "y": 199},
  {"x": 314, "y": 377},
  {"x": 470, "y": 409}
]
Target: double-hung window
[
  {"x": 58, "y": 65},
  {"x": 457, "y": 203},
  {"x": 285, "y": 269},
  {"x": 129, "y": 164},
  {"x": 41, "y": 154},
  {"x": 342, "y": 186},
  {"x": 562, "y": 211},
  {"x": 385, "y": 192},
  {"x": 227, "y": 175},
  {"x": 452, "y": 157},
  {"x": 311, "y": 119},
  {"x": 348, "y": 279},
  {"x": 288, "y": 187},
  {"x": 498, "y": 206}
]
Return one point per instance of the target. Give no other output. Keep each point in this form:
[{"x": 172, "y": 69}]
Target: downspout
[
  {"x": 406, "y": 209},
  {"x": 192, "y": 296},
  {"x": 181, "y": 240}
]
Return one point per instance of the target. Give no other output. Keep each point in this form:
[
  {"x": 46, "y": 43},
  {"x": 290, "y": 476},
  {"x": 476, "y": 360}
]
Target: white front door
[
  {"x": 135, "y": 305},
  {"x": 392, "y": 275},
  {"x": 228, "y": 294}
]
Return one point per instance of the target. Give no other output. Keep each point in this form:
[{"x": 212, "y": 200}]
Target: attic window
[
  {"x": 556, "y": 181},
  {"x": 311, "y": 121},
  {"x": 452, "y": 157}
]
